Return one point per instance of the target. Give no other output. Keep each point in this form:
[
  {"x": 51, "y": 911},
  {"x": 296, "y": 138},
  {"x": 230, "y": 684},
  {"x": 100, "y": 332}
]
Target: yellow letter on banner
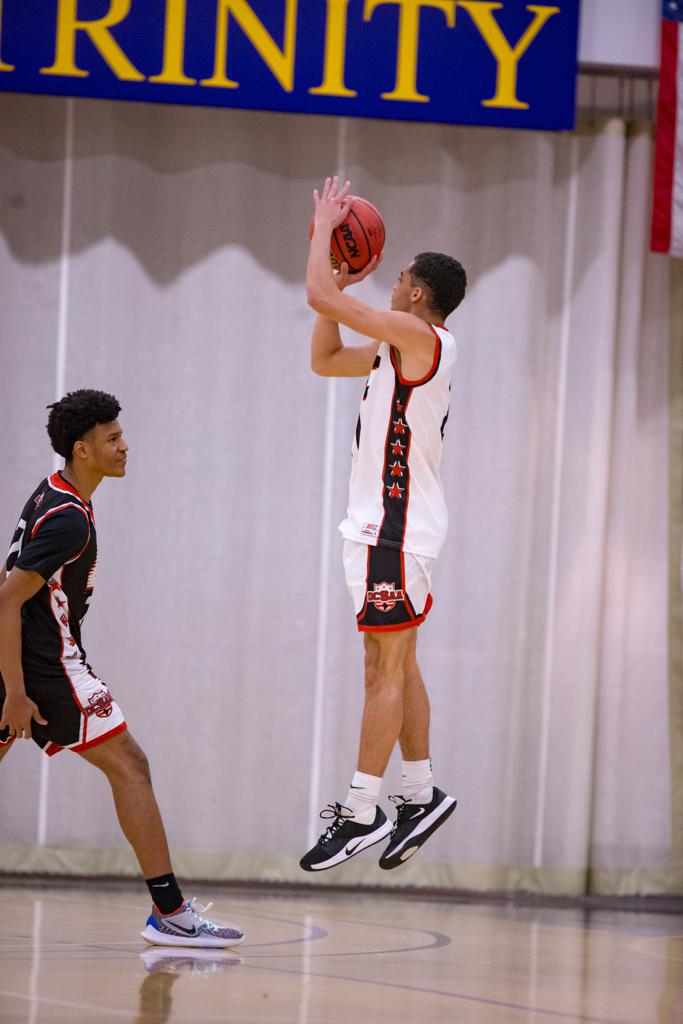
[
  {"x": 68, "y": 25},
  {"x": 408, "y": 40},
  {"x": 173, "y": 72},
  {"x": 506, "y": 57},
  {"x": 3, "y": 66},
  {"x": 280, "y": 62},
  {"x": 335, "y": 52}
]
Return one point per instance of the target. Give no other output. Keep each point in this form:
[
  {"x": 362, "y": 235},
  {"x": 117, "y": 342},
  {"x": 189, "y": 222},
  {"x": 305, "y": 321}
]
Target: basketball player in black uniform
[{"x": 48, "y": 691}]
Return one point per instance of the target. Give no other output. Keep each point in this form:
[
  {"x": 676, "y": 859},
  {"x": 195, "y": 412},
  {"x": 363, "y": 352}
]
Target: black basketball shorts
[
  {"x": 80, "y": 711},
  {"x": 389, "y": 588}
]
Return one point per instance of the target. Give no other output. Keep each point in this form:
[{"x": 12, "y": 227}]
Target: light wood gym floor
[{"x": 73, "y": 955}]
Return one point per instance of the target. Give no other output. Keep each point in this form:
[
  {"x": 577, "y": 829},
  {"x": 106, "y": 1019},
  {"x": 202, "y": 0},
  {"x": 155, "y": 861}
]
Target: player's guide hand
[
  {"x": 342, "y": 277},
  {"x": 17, "y": 715}
]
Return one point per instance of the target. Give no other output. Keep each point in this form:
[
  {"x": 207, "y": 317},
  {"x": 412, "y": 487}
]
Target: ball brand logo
[
  {"x": 349, "y": 240},
  {"x": 100, "y": 704},
  {"x": 385, "y": 596}
]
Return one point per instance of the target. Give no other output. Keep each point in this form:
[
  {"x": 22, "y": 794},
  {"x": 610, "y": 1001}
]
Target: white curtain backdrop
[{"x": 159, "y": 252}]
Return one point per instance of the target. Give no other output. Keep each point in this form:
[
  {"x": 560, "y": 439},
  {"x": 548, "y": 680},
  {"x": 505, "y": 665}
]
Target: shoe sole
[
  {"x": 342, "y": 856},
  {"x": 412, "y": 844},
  {"x": 157, "y": 938}
]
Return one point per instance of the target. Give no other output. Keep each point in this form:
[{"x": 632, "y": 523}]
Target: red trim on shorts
[
  {"x": 8, "y": 742},
  {"x": 86, "y": 746},
  {"x": 400, "y": 625},
  {"x": 406, "y": 600},
  {"x": 363, "y": 610}
]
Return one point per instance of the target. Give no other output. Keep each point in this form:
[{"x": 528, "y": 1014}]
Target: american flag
[{"x": 667, "y": 210}]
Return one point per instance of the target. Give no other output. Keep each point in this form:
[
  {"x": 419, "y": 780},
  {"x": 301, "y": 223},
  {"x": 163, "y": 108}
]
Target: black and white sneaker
[
  {"x": 414, "y": 825},
  {"x": 344, "y": 838}
]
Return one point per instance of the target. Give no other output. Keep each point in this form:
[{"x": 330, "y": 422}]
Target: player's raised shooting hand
[
  {"x": 333, "y": 205},
  {"x": 17, "y": 714}
]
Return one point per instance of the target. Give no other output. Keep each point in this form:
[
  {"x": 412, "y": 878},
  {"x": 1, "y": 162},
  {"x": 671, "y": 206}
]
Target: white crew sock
[
  {"x": 416, "y": 779},
  {"x": 363, "y": 796}
]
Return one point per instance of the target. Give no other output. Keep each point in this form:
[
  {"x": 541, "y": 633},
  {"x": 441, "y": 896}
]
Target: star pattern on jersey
[
  {"x": 399, "y": 406},
  {"x": 399, "y": 426},
  {"x": 59, "y": 602},
  {"x": 397, "y": 469},
  {"x": 397, "y": 448},
  {"x": 395, "y": 491}
]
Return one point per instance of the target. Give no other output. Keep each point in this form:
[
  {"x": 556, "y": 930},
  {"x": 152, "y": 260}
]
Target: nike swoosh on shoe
[
  {"x": 186, "y": 931},
  {"x": 351, "y": 849}
]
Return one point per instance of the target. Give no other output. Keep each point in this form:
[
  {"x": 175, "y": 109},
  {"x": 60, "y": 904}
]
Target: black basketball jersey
[{"x": 55, "y": 537}]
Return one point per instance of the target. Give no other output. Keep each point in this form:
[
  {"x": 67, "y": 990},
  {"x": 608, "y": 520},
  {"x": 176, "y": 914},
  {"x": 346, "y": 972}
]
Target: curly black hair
[
  {"x": 77, "y": 413},
  {"x": 443, "y": 278}
]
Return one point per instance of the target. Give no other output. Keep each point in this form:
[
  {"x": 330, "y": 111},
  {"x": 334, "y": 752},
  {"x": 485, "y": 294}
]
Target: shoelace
[
  {"x": 340, "y": 813},
  {"x": 402, "y": 806},
  {"x": 196, "y": 910}
]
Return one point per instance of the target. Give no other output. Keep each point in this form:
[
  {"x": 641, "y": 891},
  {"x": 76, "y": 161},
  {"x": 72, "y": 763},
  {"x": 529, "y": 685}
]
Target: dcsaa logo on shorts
[
  {"x": 100, "y": 704},
  {"x": 384, "y": 596}
]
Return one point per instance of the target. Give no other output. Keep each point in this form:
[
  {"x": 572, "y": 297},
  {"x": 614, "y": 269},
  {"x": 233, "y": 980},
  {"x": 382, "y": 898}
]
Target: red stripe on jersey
[
  {"x": 62, "y": 659},
  {"x": 384, "y": 466},
  {"x": 432, "y": 370},
  {"x": 407, "y": 498}
]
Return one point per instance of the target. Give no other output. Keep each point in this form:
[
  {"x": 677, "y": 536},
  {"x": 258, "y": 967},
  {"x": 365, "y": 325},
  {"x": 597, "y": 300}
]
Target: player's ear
[{"x": 80, "y": 450}]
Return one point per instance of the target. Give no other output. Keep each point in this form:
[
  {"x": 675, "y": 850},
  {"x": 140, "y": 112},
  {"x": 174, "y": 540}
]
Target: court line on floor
[
  {"x": 440, "y": 940},
  {"x": 66, "y": 1003},
  {"x": 482, "y": 1000}
]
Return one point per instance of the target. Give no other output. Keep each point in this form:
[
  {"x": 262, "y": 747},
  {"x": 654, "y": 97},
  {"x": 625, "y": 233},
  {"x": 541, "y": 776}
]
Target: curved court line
[
  {"x": 481, "y": 1000},
  {"x": 316, "y": 933},
  {"x": 439, "y": 940}
]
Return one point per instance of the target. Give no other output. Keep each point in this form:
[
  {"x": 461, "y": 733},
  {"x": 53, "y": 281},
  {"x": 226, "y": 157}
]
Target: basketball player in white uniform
[{"x": 395, "y": 525}]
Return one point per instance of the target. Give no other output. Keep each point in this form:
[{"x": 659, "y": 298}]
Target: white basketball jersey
[{"x": 396, "y": 497}]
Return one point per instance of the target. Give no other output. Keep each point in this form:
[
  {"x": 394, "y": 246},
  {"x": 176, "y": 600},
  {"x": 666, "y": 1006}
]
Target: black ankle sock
[{"x": 165, "y": 892}]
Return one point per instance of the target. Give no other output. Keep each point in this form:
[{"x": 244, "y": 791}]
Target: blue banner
[{"x": 488, "y": 62}]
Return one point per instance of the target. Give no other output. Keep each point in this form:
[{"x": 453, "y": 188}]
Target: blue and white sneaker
[{"x": 186, "y": 927}]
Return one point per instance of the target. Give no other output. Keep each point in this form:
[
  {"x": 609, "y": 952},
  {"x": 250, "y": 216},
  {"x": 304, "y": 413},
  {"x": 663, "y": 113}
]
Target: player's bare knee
[
  {"x": 138, "y": 764},
  {"x": 127, "y": 761},
  {"x": 388, "y": 681}
]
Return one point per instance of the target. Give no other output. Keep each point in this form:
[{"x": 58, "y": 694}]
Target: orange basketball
[{"x": 357, "y": 239}]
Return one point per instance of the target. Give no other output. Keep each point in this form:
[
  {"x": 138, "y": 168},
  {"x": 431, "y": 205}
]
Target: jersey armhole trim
[{"x": 430, "y": 373}]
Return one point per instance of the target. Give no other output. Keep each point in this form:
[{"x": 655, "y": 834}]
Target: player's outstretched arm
[
  {"x": 18, "y": 711},
  {"x": 402, "y": 330}
]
